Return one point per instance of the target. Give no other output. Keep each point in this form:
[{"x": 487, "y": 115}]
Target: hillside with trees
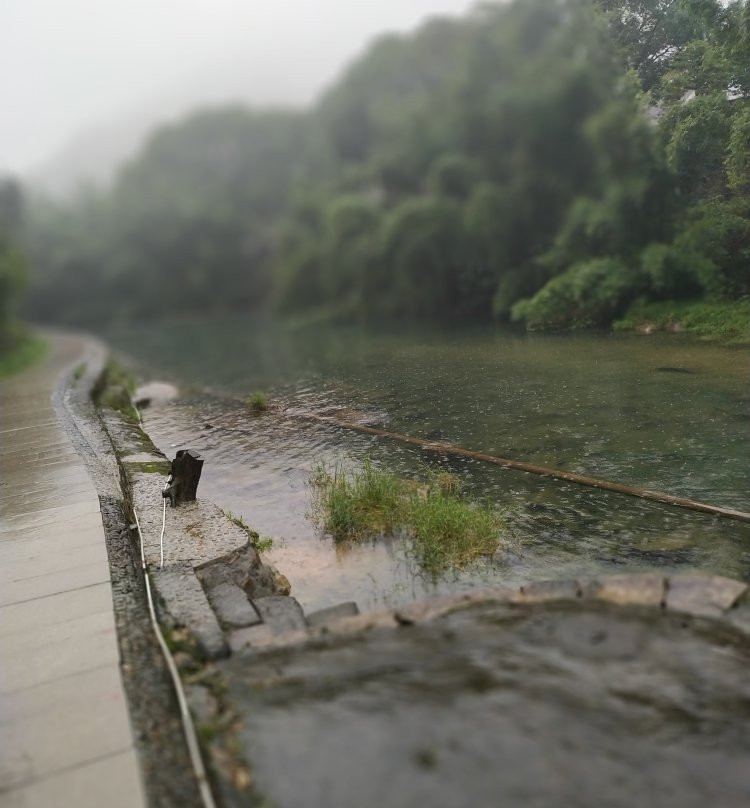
[
  {"x": 17, "y": 346},
  {"x": 550, "y": 163}
]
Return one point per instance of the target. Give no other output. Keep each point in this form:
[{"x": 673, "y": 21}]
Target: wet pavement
[
  {"x": 65, "y": 734},
  {"x": 571, "y": 703}
]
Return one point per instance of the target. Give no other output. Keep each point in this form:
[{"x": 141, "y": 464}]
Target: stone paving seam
[
  {"x": 108, "y": 780},
  {"x": 103, "y": 579},
  {"x": 44, "y": 697},
  {"x": 30, "y": 426},
  {"x": 34, "y": 568},
  {"x": 64, "y": 770},
  {"x": 48, "y": 500}
]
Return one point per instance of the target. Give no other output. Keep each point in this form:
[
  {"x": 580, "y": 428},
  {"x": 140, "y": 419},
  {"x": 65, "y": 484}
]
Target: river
[{"x": 664, "y": 412}]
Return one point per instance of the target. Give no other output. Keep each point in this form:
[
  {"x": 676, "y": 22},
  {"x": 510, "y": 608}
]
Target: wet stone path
[
  {"x": 65, "y": 735},
  {"x": 600, "y": 697}
]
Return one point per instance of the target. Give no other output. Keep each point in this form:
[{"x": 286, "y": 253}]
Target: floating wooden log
[
  {"x": 184, "y": 478},
  {"x": 531, "y": 468}
]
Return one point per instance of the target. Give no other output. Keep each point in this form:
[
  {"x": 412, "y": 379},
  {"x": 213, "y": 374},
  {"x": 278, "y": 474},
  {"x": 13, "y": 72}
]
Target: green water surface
[{"x": 664, "y": 412}]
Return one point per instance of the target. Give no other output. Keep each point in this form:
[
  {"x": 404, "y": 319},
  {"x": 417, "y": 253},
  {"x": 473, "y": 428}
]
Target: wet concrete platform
[
  {"x": 65, "y": 734},
  {"x": 538, "y": 701}
]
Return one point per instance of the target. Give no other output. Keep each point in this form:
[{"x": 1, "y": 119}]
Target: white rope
[
  {"x": 187, "y": 722},
  {"x": 188, "y": 727},
  {"x": 164, "y": 508},
  {"x": 163, "y": 523}
]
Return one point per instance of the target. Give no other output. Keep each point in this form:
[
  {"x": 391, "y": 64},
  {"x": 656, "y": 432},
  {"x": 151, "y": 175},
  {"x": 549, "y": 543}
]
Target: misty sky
[{"x": 71, "y": 65}]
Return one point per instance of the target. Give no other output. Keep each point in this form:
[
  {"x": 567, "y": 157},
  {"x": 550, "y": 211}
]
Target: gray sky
[{"x": 67, "y": 66}]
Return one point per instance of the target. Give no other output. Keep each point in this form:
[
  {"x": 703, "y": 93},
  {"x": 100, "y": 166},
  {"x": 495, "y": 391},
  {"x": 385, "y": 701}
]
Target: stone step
[{"x": 331, "y": 614}]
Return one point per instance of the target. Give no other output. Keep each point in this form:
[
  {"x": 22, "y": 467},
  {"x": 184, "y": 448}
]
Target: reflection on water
[{"x": 662, "y": 412}]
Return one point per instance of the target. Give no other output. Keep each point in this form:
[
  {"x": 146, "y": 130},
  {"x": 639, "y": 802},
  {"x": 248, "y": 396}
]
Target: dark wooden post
[{"x": 183, "y": 481}]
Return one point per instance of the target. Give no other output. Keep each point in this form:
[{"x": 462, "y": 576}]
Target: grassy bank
[
  {"x": 447, "y": 529},
  {"x": 727, "y": 323},
  {"x": 19, "y": 349}
]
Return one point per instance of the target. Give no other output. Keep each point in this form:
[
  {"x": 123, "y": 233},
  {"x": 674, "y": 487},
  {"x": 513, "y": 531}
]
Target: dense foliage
[
  {"x": 549, "y": 162},
  {"x": 12, "y": 263}
]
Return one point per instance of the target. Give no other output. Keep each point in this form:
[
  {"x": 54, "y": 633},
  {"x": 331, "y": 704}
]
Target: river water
[{"x": 664, "y": 412}]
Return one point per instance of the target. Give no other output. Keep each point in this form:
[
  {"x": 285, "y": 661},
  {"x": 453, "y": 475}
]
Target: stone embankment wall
[{"x": 208, "y": 574}]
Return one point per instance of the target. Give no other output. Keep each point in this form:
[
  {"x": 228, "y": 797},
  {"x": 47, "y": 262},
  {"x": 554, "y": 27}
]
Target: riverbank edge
[
  {"x": 698, "y": 596},
  {"x": 163, "y": 754},
  {"x": 211, "y": 601},
  {"x": 723, "y": 323}
]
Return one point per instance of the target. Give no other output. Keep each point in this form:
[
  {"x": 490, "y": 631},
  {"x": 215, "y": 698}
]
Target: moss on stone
[
  {"x": 162, "y": 467},
  {"x": 114, "y": 389}
]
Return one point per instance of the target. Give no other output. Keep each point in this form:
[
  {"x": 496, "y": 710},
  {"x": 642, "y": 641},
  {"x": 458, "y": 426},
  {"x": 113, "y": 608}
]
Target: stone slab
[
  {"x": 66, "y": 472},
  {"x": 67, "y": 735},
  {"x": 739, "y": 616},
  {"x": 187, "y": 605},
  {"x": 55, "y": 610},
  {"x": 40, "y": 517},
  {"x": 31, "y": 431},
  {"x": 29, "y": 565},
  {"x": 93, "y": 686},
  {"x": 329, "y": 615},
  {"x": 281, "y": 613},
  {"x": 703, "y": 595},
  {"x": 231, "y": 605},
  {"x": 19, "y": 642},
  {"x": 558, "y": 704},
  {"x": 82, "y": 529},
  {"x": 55, "y": 582},
  {"x": 254, "y": 636},
  {"x": 83, "y": 645},
  {"x": 422, "y": 610},
  {"x": 48, "y": 454},
  {"x": 48, "y": 500},
  {"x": 203, "y": 704},
  {"x": 647, "y": 589},
  {"x": 196, "y": 532},
  {"x": 110, "y": 781},
  {"x": 45, "y": 478},
  {"x": 44, "y": 440},
  {"x": 543, "y": 591}
]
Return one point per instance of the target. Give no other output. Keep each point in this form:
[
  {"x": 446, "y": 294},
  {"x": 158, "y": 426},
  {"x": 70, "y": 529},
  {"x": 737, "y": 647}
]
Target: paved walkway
[{"x": 65, "y": 735}]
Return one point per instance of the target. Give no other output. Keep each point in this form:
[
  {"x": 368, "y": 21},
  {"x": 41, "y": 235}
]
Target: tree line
[
  {"x": 13, "y": 269},
  {"x": 546, "y": 162}
]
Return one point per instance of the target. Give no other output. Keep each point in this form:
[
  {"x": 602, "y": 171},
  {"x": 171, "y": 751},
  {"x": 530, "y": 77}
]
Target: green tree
[
  {"x": 573, "y": 155},
  {"x": 13, "y": 271}
]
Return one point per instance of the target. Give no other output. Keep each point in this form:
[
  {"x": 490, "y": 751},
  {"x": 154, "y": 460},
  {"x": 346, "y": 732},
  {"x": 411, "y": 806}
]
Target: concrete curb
[{"x": 694, "y": 595}]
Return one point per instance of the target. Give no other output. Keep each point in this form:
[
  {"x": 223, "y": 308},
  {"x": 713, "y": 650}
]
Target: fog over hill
[{"x": 83, "y": 83}]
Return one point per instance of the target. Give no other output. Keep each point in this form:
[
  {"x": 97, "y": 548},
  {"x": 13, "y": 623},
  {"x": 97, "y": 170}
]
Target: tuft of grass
[
  {"x": 238, "y": 520},
  {"x": 351, "y": 505},
  {"x": 264, "y": 544},
  {"x": 447, "y": 530},
  {"x": 180, "y": 640},
  {"x": 451, "y": 532},
  {"x": 258, "y": 402}
]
